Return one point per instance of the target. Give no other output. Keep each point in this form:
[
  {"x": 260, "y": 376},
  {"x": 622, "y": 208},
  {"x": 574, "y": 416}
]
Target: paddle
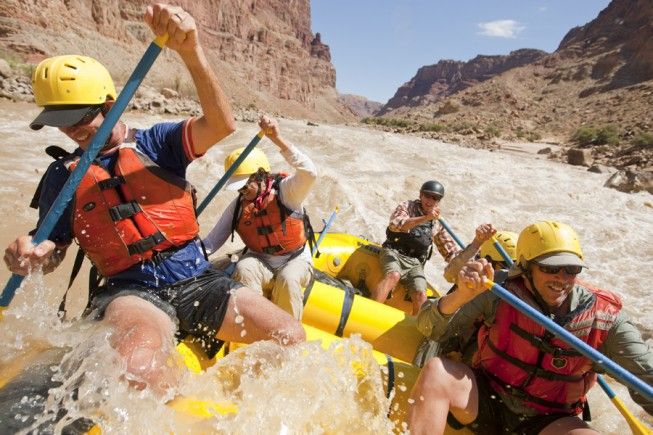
[
  {"x": 222, "y": 181},
  {"x": 327, "y": 224},
  {"x": 450, "y": 231},
  {"x": 100, "y": 138},
  {"x": 636, "y": 426}
]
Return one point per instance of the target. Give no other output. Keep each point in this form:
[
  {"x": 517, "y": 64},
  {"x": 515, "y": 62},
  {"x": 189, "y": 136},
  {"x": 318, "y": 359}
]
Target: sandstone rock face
[
  {"x": 359, "y": 105},
  {"x": 263, "y": 51},
  {"x": 433, "y": 82}
]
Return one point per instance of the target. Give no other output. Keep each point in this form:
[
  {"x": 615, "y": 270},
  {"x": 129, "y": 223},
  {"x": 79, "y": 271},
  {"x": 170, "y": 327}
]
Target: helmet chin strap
[{"x": 536, "y": 294}]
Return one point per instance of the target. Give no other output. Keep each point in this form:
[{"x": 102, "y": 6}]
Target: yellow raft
[{"x": 356, "y": 260}]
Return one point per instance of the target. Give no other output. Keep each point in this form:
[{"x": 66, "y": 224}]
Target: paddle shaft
[
  {"x": 63, "y": 199},
  {"x": 328, "y": 223},
  {"x": 248, "y": 149}
]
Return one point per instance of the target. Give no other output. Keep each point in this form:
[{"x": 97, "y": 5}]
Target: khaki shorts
[{"x": 409, "y": 268}]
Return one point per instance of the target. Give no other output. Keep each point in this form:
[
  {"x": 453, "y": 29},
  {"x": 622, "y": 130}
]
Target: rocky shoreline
[{"x": 627, "y": 170}]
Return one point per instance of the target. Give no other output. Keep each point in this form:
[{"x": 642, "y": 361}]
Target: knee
[
  {"x": 293, "y": 333},
  {"x": 393, "y": 277},
  {"x": 434, "y": 372}
]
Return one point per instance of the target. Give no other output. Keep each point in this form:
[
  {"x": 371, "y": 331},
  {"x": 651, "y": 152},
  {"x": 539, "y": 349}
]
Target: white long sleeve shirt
[{"x": 294, "y": 189}]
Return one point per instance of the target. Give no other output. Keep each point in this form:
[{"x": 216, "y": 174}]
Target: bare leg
[
  {"x": 250, "y": 317},
  {"x": 385, "y": 286},
  {"x": 442, "y": 386},
  {"x": 418, "y": 299},
  {"x": 569, "y": 426},
  {"x": 144, "y": 335}
]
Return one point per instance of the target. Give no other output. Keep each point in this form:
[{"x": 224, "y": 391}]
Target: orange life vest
[
  {"x": 522, "y": 359},
  {"x": 274, "y": 228},
  {"x": 124, "y": 219}
]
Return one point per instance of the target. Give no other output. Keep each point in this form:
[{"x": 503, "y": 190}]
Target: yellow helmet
[
  {"x": 67, "y": 86},
  {"x": 551, "y": 243},
  {"x": 72, "y": 79},
  {"x": 255, "y": 159},
  {"x": 507, "y": 240}
]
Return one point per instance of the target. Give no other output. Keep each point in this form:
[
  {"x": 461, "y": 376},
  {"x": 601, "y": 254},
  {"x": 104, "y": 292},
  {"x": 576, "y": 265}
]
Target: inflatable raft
[{"x": 333, "y": 309}]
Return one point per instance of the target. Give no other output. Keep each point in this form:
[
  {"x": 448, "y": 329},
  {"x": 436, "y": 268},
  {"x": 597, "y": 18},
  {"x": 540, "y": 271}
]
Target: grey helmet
[{"x": 433, "y": 187}]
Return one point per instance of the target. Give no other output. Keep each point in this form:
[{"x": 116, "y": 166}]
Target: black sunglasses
[
  {"x": 552, "y": 270},
  {"x": 432, "y": 196},
  {"x": 89, "y": 116}
]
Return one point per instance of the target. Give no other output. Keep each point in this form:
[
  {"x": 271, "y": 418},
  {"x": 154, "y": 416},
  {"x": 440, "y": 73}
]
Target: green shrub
[
  {"x": 607, "y": 135},
  {"x": 431, "y": 127},
  {"x": 464, "y": 127},
  {"x": 528, "y": 135},
  {"x": 492, "y": 130},
  {"x": 590, "y": 135},
  {"x": 387, "y": 122},
  {"x": 643, "y": 140}
]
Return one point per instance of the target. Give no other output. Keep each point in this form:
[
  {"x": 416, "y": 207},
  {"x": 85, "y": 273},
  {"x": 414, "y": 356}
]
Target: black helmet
[{"x": 433, "y": 187}]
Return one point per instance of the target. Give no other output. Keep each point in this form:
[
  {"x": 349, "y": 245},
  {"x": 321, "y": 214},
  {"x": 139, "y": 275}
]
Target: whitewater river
[{"x": 365, "y": 174}]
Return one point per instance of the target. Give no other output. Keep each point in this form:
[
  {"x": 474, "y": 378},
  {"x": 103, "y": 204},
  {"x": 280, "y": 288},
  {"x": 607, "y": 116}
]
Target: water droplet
[
  {"x": 243, "y": 333},
  {"x": 196, "y": 303},
  {"x": 239, "y": 319}
]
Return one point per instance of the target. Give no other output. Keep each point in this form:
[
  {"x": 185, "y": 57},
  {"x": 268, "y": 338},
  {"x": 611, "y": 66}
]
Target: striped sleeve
[{"x": 187, "y": 140}]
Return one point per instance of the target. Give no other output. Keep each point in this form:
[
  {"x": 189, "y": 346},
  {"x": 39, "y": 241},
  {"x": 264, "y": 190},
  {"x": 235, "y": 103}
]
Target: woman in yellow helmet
[
  {"x": 133, "y": 213},
  {"x": 522, "y": 378},
  {"x": 269, "y": 217}
]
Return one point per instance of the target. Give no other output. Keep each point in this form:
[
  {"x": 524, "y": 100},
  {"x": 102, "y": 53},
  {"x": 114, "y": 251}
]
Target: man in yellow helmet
[
  {"x": 133, "y": 213},
  {"x": 269, "y": 217},
  {"x": 462, "y": 345},
  {"x": 522, "y": 378}
]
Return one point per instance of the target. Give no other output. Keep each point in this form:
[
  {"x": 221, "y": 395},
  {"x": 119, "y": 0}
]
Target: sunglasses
[
  {"x": 552, "y": 270},
  {"x": 93, "y": 111},
  {"x": 431, "y": 196}
]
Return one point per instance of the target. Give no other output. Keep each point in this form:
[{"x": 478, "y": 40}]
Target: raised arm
[{"x": 216, "y": 122}]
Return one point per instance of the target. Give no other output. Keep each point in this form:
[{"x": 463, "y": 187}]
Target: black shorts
[
  {"x": 495, "y": 418},
  {"x": 198, "y": 305}
]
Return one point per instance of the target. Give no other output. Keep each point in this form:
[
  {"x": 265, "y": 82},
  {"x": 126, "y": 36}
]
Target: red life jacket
[
  {"x": 274, "y": 229},
  {"x": 124, "y": 219},
  {"x": 524, "y": 360}
]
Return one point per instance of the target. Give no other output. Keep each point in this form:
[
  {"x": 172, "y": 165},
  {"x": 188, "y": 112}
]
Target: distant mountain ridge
[
  {"x": 599, "y": 82},
  {"x": 434, "y": 82}
]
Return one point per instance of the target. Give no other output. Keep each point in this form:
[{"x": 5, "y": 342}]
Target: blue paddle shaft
[
  {"x": 503, "y": 253},
  {"x": 248, "y": 149},
  {"x": 63, "y": 199},
  {"x": 324, "y": 231},
  {"x": 450, "y": 231},
  {"x": 610, "y": 366}
]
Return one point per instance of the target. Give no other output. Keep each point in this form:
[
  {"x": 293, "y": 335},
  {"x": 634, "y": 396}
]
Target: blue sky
[{"x": 378, "y": 45}]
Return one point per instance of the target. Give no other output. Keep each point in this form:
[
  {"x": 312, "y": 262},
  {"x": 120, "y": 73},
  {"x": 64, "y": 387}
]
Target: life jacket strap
[
  {"x": 124, "y": 211},
  {"x": 262, "y": 231},
  {"x": 542, "y": 344},
  {"x": 272, "y": 249},
  {"x": 146, "y": 244},
  {"x": 111, "y": 183},
  {"x": 533, "y": 370}
]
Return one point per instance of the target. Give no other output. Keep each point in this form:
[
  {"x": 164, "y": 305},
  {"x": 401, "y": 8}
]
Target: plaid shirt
[{"x": 447, "y": 247}]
